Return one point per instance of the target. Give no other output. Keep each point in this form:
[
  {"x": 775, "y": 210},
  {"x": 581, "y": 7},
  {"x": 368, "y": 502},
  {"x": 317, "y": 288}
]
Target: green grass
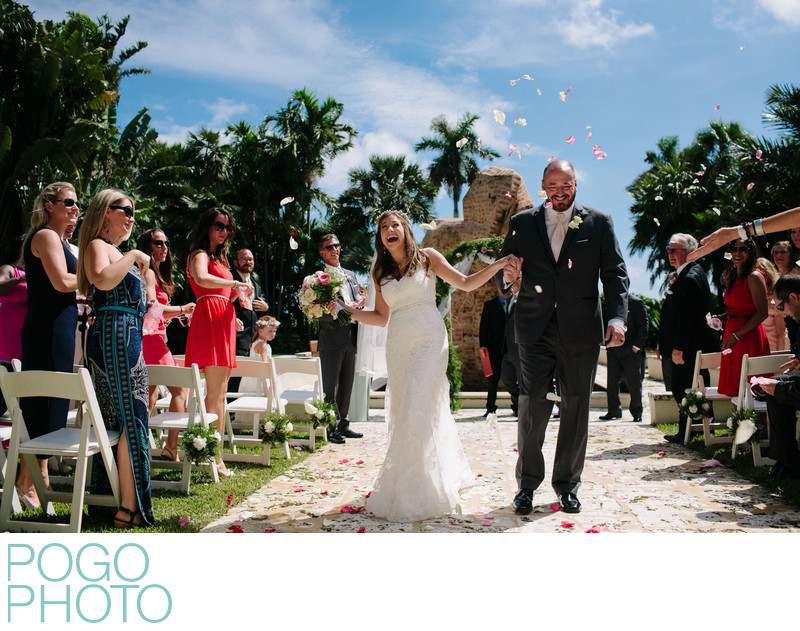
[
  {"x": 205, "y": 503},
  {"x": 789, "y": 490}
]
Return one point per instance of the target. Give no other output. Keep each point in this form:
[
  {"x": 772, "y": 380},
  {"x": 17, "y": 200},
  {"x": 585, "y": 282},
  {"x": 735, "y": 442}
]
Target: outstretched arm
[
  {"x": 378, "y": 316},
  {"x": 449, "y": 274},
  {"x": 785, "y": 220}
]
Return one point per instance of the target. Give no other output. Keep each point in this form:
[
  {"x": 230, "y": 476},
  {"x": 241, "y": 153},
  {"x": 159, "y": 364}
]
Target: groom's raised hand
[{"x": 512, "y": 270}]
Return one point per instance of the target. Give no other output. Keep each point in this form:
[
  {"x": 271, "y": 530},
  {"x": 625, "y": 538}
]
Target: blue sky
[{"x": 638, "y": 70}]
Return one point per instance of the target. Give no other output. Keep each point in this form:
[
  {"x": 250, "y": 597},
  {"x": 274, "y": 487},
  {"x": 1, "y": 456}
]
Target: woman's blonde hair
[
  {"x": 91, "y": 226},
  {"x": 39, "y": 214},
  {"x": 385, "y": 267}
]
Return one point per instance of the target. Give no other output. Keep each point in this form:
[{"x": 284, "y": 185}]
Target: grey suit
[
  {"x": 559, "y": 329},
  {"x": 337, "y": 353}
]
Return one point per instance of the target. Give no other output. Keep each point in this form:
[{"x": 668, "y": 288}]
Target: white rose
[
  {"x": 331, "y": 414},
  {"x": 217, "y": 436},
  {"x": 289, "y": 427},
  {"x": 199, "y": 443},
  {"x": 319, "y": 414},
  {"x": 685, "y": 402},
  {"x": 310, "y": 409},
  {"x": 693, "y": 409},
  {"x": 269, "y": 427}
]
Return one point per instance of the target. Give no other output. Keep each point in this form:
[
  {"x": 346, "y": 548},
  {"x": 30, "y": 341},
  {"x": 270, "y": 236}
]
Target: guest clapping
[
  {"x": 212, "y": 334},
  {"x": 160, "y": 288},
  {"x": 115, "y": 282}
]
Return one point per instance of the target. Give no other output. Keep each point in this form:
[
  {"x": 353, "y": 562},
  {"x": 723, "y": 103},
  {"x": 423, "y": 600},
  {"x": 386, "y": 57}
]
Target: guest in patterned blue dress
[
  {"x": 48, "y": 333},
  {"x": 114, "y": 347}
]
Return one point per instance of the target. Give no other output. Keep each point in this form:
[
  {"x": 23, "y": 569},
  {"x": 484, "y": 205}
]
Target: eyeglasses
[
  {"x": 332, "y": 246},
  {"x": 781, "y": 304},
  {"x": 219, "y": 226},
  {"x": 776, "y": 252},
  {"x": 160, "y": 243},
  {"x": 675, "y": 250},
  {"x": 734, "y": 249},
  {"x": 128, "y": 210},
  {"x": 68, "y": 202}
]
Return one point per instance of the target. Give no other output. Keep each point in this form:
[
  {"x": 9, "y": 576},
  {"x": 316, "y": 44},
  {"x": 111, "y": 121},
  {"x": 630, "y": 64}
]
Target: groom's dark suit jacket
[{"x": 590, "y": 253}]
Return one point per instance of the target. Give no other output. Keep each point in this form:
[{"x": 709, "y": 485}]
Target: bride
[{"x": 425, "y": 466}]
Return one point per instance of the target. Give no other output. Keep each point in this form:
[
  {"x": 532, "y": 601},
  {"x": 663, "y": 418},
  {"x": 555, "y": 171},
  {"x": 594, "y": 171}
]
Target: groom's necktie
[{"x": 557, "y": 240}]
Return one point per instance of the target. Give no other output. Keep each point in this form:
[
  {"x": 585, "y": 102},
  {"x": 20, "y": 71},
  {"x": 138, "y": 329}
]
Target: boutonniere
[{"x": 576, "y": 221}]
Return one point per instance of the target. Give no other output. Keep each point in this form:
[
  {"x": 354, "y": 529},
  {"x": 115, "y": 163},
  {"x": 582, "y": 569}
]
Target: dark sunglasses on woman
[
  {"x": 218, "y": 225},
  {"x": 128, "y": 210}
]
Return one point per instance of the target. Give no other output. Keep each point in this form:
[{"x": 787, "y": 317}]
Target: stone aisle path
[{"x": 633, "y": 482}]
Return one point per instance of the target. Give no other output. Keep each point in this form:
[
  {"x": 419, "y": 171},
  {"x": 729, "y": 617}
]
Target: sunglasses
[
  {"x": 69, "y": 203},
  {"x": 674, "y": 250},
  {"x": 781, "y": 304},
  {"x": 332, "y": 246},
  {"x": 160, "y": 243},
  {"x": 738, "y": 248},
  {"x": 128, "y": 210},
  {"x": 219, "y": 226}
]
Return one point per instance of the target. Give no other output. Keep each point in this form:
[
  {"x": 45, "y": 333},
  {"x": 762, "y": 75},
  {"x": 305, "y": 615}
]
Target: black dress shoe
[
  {"x": 570, "y": 503},
  {"x": 674, "y": 438},
  {"x": 488, "y": 412},
  {"x": 610, "y": 416},
  {"x": 778, "y": 472},
  {"x": 349, "y": 433},
  {"x": 523, "y": 502},
  {"x": 335, "y": 437},
  {"x": 637, "y": 418}
]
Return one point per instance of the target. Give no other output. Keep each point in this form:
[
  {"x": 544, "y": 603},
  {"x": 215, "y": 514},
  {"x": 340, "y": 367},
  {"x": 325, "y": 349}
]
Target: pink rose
[
  {"x": 324, "y": 278},
  {"x": 483, "y": 250}
]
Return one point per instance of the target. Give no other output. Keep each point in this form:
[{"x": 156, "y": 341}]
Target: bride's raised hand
[{"x": 512, "y": 267}]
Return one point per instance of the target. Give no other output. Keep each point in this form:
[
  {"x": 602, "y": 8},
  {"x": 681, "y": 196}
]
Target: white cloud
[
  {"x": 787, "y": 11},
  {"x": 224, "y": 111},
  {"x": 589, "y": 26}
]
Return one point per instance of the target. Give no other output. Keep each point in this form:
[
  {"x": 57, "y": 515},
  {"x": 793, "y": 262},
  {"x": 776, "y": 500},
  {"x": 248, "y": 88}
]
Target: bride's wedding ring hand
[{"x": 512, "y": 267}]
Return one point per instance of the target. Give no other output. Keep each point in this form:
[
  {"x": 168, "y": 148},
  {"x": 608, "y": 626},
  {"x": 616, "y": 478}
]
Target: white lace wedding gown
[{"x": 425, "y": 466}]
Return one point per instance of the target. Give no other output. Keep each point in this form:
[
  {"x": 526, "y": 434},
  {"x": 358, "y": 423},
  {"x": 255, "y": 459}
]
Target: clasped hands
[{"x": 349, "y": 306}]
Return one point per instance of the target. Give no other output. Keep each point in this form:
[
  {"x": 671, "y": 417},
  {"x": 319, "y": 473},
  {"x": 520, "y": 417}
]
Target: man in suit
[
  {"x": 509, "y": 373},
  {"x": 564, "y": 249},
  {"x": 683, "y": 329},
  {"x": 247, "y": 309},
  {"x": 337, "y": 344},
  {"x": 491, "y": 337},
  {"x": 625, "y": 363},
  {"x": 783, "y": 396}
]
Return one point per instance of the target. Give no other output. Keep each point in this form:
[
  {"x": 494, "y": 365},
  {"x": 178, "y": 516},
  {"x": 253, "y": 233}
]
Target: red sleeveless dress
[
  {"x": 755, "y": 344},
  {"x": 154, "y": 346},
  {"x": 212, "y": 332}
]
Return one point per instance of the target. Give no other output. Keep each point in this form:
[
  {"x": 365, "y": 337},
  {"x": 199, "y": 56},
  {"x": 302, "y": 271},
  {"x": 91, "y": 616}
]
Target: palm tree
[
  {"x": 458, "y": 146},
  {"x": 783, "y": 109},
  {"x": 390, "y": 184}
]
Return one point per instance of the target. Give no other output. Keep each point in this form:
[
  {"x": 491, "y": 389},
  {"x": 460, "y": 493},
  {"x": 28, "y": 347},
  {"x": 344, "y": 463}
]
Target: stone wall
[{"x": 496, "y": 195}]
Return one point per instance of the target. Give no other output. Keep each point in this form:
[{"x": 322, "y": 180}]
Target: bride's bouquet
[{"x": 318, "y": 291}]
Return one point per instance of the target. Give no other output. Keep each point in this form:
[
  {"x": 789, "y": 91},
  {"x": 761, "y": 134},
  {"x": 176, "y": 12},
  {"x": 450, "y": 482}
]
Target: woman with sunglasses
[
  {"x": 160, "y": 288},
  {"x": 211, "y": 343},
  {"x": 48, "y": 332},
  {"x": 785, "y": 264},
  {"x": 746, "y": 300},
  {"x": 115, "y": 282}
]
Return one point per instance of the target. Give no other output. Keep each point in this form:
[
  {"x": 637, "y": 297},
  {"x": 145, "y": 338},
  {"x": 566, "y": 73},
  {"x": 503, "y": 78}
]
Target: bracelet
[
  {"x": 742, "y": 232},
  {"x": 759, "y": 230},
  {"x": 181, "y": 309},
  {"x": 736, "y": 336}
]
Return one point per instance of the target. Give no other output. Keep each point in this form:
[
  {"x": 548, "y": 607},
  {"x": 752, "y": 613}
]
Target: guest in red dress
[
  {"x": 212, "y": 334},
  {"x": 746, "y": 299},
  {"x": 13, "y": 305},
  {"x": 160, "y": 288}
]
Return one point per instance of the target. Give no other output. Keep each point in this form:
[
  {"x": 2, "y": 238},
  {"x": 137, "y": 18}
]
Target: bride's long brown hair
[{"x": 385, "y": 267}]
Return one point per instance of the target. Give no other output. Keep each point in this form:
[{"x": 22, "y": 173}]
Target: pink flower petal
[
  {"x": 235, "y": 528},
  {"x": 183, "y": 521},
  {"x": 352, "y": 509},
  {"x": 480, "y": 475},
  {"x": 593, "y": 529},
  {"x": 700, "y": 173},
  {"x": 600, "y": 155},
  {"x": 528, "y": 77},
  {"x": 452, "y": 523},
  {"x": 362, "y": 529},
  {"x": 370, "y": 493},
  {"x": 345, "y": 461},
  {"x": 569, "y": 263},
  {"x": 323, "y": 492},
  {"x": 717, "y": 106},
  {"x": 750, "y": 186},
  {"x": 360, "y": 462},
  {"x": 662, "y": 453},
  {"x": 727, "y": 351},
  {"x": 486, "y": 523},
  {"x": 567, "y": 524},
  {"x": 555, "y": 507},
  {"x": 570, "y": 140},
  {"x": 230, "y": 499},
  {"x": 758, "y": 154},
  {"x": 299, "y": 491},
  {"x": 551, "y": 158},
  {"x": 508, "y": 193},
  {"x": 269, "y": 530}
]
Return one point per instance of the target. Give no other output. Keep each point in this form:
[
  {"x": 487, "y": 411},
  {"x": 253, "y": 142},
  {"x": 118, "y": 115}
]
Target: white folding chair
[
  {"x": 180, "y": 377},
  {"x": 751, "y": 366},
  {"x": 80, "y": 443},
  {"x": 5, "y": 438},
  {"x": 710, "y": 362},
  {"x": 300, "y": 382},
  {"x": 255, "y": 405}
]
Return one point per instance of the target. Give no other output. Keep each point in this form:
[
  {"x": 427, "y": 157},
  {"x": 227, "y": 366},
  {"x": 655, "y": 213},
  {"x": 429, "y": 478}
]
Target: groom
[{"x": 563, "y": 251}]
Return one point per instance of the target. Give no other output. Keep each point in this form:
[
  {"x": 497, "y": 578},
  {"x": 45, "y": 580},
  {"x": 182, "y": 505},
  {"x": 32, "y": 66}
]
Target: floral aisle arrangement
[
  {"x": 275, "y": 428},
  {"x": 317, "y": 292},
  {"x": 322, "y": 414},
  {"x": 745, "y": 426},
  {"x": 200, "y": 443},
  {"x": 695, "y": 406}
]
